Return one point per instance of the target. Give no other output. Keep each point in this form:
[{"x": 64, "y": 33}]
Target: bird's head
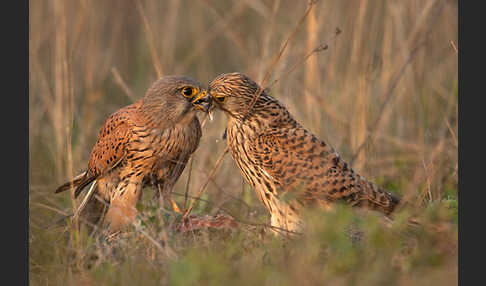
[
  {"x": 235, "y": 92},
  {"x": 174, "y": 97}
]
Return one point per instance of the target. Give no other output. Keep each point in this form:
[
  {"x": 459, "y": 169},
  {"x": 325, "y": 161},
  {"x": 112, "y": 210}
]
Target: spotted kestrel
[
  {"x": 288, "y": 166},
  {"x": 146, "y": 143}
]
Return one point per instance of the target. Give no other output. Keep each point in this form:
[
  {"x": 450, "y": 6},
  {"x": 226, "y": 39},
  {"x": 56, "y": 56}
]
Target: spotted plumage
[
  {"x": 146, "y": 143},
  {"x": 288, "y": 166}
]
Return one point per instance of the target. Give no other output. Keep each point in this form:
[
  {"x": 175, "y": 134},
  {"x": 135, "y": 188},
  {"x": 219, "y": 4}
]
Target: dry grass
[{"x": 384, "y": 94}]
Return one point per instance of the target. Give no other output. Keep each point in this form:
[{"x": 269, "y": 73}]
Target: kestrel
[
  {"x": 146, "y": 143},
  {"x": 288, "y": 166}
]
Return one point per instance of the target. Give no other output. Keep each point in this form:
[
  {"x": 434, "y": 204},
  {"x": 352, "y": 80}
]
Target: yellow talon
[{"x": 175, "y": 207}]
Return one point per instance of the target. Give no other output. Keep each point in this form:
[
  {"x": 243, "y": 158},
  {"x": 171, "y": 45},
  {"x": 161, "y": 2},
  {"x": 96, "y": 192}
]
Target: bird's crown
[{"x": 235, "y": 92}]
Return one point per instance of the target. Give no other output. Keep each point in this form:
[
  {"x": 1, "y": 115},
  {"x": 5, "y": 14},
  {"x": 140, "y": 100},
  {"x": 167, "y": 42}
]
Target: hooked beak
[{"x": 203, "y": 102}]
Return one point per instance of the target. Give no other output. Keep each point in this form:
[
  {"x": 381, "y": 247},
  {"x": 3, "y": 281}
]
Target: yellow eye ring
[{"x": 189, "y": 91}]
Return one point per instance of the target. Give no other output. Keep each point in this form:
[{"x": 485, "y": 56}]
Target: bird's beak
[{"x": 203, "y": 102}]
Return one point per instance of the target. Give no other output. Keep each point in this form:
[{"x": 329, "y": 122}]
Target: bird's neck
[
  {"x": 252, "y": 123},
  {"x": 186, "y": 118},
  {"x": 262, "y": 117}
]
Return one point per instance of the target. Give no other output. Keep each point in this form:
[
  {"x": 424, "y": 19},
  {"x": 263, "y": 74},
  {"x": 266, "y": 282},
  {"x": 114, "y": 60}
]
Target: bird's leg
[
  {"x": 156, "y": 193},
  {"x": 122, "y": 210}
]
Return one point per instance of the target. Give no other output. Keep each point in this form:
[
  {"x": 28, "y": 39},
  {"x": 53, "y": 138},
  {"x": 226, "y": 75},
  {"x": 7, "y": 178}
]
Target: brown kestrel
[
  {"x": 288, "y": 166},
  {"x": 146, "y": 143}
]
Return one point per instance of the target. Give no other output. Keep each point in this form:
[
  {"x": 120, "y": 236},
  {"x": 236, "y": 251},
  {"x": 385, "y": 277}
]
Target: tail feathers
[
  {"x": 393, "y": 202},
  {"x": 75, "y": 182},
  {"x": 83, "y": 184},
  {"x": 79, "y": 182},
  {"x": 381, "y": 199}
]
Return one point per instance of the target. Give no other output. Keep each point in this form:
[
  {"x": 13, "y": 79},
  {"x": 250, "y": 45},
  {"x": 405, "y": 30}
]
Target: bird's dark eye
[
  {"x": 189, "y": 91},
  {"x": 220, "y": 98}
]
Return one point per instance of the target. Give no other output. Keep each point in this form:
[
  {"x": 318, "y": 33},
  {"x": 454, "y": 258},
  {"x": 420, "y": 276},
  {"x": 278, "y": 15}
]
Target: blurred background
[{"x": 384, "y": 94}]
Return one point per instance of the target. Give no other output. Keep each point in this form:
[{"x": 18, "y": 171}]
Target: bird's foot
[{"x": 175, "y": 207}]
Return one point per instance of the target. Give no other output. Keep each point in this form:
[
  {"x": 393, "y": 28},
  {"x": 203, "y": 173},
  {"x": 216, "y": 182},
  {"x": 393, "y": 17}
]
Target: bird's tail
[
  {"x": 79, "y": 182},
  {"x": 381, "y": 199},
  {"x": 387, "y": 203}
]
